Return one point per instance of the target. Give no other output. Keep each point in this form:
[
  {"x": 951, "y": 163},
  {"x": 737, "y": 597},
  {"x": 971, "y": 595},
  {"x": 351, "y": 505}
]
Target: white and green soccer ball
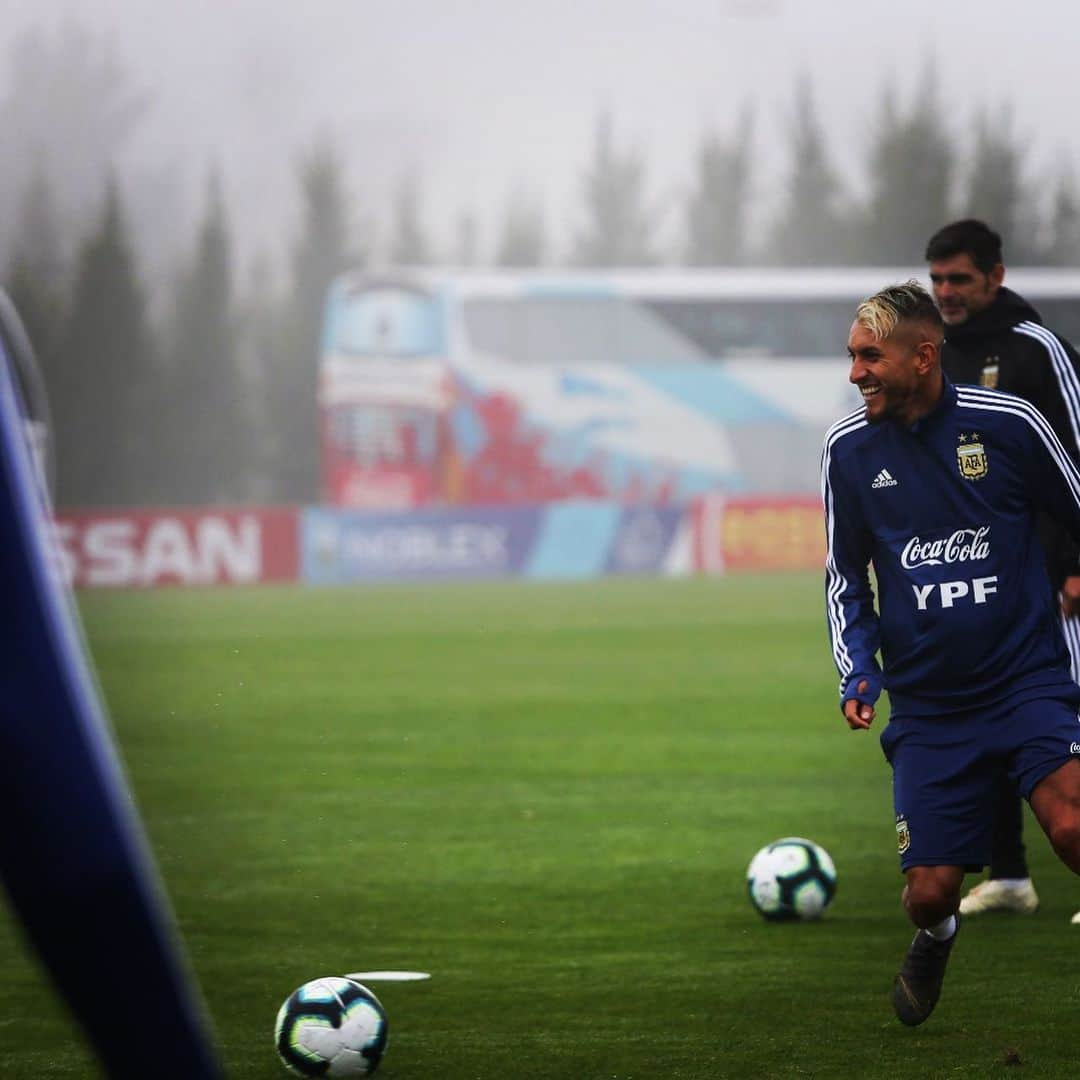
[
  {"x": 331, "y": 1027},
  {"x": 791, "y": 878}
]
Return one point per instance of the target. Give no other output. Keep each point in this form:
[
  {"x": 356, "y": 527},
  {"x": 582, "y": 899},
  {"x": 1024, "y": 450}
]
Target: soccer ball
[
  {"x": 331, "y": 1027},
  {"x": 791, "y": 878}
]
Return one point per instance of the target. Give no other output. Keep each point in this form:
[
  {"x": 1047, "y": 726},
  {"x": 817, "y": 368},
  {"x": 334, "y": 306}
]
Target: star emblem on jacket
[{"x": 971, "y": 456}]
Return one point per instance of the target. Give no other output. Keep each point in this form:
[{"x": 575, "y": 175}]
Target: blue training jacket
[
  {"x": 945, "y": 511},
  {"x": 73, "y": 858}
]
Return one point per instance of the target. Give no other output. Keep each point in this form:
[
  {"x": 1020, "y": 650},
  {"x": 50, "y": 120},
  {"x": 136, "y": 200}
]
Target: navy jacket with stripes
[
  {"x": 945, "y": 512},
  {"x": 1005, "y": 346},
  {"x": 73, "y": 858}
]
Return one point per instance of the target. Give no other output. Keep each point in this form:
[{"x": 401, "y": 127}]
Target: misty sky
[{"x": 476, "y": 97}]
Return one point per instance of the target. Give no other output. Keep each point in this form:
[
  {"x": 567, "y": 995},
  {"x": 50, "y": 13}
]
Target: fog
[{"x": 481, "y": 98}]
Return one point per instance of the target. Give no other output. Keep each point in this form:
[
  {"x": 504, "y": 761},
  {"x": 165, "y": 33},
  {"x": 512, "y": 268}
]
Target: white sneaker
[
  {"x": 995, "y": 895},
  {"x": 1075, "y": 920}
]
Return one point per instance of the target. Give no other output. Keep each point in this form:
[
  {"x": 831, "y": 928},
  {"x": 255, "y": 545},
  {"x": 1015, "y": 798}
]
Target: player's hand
[
  {"x": 858, "y": 714},
  {"x": 1070, "y": 597}
]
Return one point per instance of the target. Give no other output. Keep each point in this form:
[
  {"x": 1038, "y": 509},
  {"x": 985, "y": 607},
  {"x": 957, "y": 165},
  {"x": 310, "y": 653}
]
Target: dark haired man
[
  {"x": 995, "y": 338},
  {"x": 939, "y": 486}
]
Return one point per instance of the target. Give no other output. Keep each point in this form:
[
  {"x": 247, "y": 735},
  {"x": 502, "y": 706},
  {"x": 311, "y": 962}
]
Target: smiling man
[
  {"x": 895, "y": 364},
  {"x": 939, "y": 487},
  {"x": 995, "y": 338}
]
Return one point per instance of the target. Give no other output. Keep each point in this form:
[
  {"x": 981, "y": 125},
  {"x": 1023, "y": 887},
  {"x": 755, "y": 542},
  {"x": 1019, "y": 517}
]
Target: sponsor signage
[
  {"x": 341, "y": 546},
  {"x": 642, "y": 544},
  {"x": 962, "y": 545},
  {"x": 759, "y": 534},
  {"x": 564, "y": 541},
  {"x": 182, "y": 547},
  {"x": 325, "y": 546}
]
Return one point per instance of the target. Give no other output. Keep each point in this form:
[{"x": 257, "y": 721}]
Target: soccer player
[
  {"x": 72, "y": 856},
  {"x": 995, "y": 338},
  {"x": 939, "y": 487}
]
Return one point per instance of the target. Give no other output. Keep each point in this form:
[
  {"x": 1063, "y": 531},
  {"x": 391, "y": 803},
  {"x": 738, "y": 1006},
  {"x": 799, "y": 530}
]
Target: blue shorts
[{"x": 947, "y": 772}]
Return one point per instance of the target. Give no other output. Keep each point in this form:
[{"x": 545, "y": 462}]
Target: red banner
[
  {"x": 141, "y": 548},
  {"x": 759, "y": 534}
]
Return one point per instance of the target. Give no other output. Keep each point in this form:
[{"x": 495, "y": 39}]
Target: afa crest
[
  {"x": 971, "y": 457},
  {"x": 903, "y": 834},
  {"x": 989, "y": 375}
]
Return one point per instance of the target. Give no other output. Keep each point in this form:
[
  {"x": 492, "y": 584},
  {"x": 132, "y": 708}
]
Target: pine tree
[
  {"x": 36, "y": 276},
  {"x": 321, "y": 253},
  {"x": 521, "y": 233},
  {"x": 261, "y": 353},
  {"x": 105, "y": 433},
  {"x": 69, "y": 109},
  {"x": 208, "y": 445},
  {"x": 996, "y": 191},
  {"x": 1063, "y": 245},
  {"x": 410, "y": 246},
  {"x": 618, "y": 227},
  {"x": 809, "y": 229},
  {"x": 467, "y": 239},
  {"x": 718, "y": 209},
  {"x": 911, "y": 170}
]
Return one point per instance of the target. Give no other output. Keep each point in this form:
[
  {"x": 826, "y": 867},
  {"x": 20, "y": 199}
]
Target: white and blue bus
[{"x": 441, "y": 387}]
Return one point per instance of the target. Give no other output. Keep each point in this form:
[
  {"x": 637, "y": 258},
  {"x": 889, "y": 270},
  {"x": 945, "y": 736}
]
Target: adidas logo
[{"x": 883, "y": 479}]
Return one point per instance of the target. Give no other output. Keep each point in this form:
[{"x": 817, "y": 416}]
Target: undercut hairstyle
[
  {"x": 968, "y": 237},
  {"x": 899, "y": 306}
]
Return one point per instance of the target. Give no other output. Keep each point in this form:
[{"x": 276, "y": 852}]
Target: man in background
[{"x": 995, "y": 338}]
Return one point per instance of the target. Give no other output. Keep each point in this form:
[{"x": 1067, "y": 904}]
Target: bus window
[
  {"x": 389, "y": 321},
  {"x": 574, "y": 330},
  {"x": 733, "y": 327}
]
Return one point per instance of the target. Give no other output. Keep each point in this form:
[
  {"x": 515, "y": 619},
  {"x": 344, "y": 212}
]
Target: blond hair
[{"x": 883, "y": 312}]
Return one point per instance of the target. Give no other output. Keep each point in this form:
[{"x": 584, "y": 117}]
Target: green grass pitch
[{"x": 547, "y": 796}]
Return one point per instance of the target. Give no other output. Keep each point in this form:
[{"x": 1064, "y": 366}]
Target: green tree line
[{"x": 199, "y": 387}]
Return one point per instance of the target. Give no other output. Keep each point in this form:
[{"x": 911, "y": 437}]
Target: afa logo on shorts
[{"x": 903, "y": 834}]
